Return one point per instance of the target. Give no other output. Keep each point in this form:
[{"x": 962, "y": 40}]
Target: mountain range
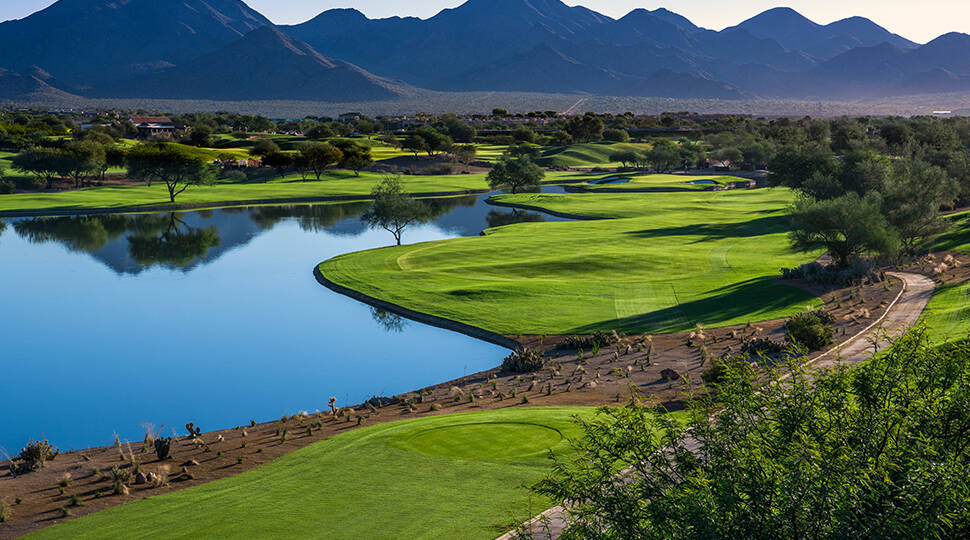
[{"x": 224, "y": 50}]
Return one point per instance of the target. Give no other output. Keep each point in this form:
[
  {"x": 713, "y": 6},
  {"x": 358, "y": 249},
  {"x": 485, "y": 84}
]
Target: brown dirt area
[{"x": 606, "y": 378}]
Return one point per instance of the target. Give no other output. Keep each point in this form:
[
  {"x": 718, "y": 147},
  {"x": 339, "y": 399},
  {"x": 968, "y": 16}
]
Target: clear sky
[{"x": 919, "y": 21}]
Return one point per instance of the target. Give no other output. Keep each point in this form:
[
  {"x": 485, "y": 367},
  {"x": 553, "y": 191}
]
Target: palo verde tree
[
  {"x": 393, "y": 210},
  {"x": 846, "y": 226},
  {"x": 42, "y": 163},
  {"x": 879, "y": 452},
  {"x": 318, "y": 156},
  {"x": 281, "y": 161},
  {"x": 82, "y": 159},
  {"x": 169, "y": 164},
  {"x": 355, "y": 157},
  {"x": 519, "y": 173}
]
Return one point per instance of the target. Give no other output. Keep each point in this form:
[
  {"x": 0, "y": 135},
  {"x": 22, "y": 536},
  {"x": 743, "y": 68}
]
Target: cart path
[{"x": 903, "y": 314}]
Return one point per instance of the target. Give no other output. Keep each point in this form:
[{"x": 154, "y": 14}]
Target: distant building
[{"x": 150, "y": 126}]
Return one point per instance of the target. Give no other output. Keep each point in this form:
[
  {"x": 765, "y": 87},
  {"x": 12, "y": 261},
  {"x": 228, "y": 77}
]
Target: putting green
[
  {"x": 672, "y": 261},
  {"x": 484, "y": 441},
  {"x": 449, "y": 476}
]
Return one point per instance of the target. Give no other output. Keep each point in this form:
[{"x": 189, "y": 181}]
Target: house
[
  {"x": 151, "y": 126},
  {"x": 350, "y": 117}
]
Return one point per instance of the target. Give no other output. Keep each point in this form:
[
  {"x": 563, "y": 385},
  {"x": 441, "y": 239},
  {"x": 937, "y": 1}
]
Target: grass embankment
[
  {"x": 453, "y": 476},
  {"x": 948, "y": 313},
  {"x": 674, "y": 260},
  {"x": 587, "y": 154}
]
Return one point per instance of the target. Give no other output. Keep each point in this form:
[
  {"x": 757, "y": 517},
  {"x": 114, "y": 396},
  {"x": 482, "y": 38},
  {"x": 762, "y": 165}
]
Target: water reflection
[
  {"x": 131, "y": 244},
  {"x": 169, "y": 242},
  {"x": 497, "y": 218},
  {"x": 388, "y": 321}
]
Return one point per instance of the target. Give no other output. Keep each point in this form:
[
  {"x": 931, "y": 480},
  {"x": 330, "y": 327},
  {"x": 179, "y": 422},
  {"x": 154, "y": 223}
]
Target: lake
[{"x": 112, "y": 322}]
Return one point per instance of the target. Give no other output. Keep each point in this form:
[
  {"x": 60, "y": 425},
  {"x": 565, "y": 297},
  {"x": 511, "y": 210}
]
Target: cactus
[{"x": 163, "y": 448}]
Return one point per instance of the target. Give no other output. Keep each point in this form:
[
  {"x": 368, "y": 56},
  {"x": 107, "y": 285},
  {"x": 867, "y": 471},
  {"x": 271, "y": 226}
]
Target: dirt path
[{"x": 905, "y": 312}]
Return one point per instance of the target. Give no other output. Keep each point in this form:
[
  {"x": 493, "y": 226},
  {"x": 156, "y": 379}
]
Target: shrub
[
  {"x": 616, "y": 135},
  {"x": 762, "y": 347},
  {"x": 120, "y": 478},
  {"x": 5, "y": 513},
  {"x": 163, "y": 448},
  {"x": 812, "y": 330},
  {"x": 76, "y": 500},
  {"x": 34, "y": 456},
  {"x": 523, "y": 361},
  {"x": 7, "y": 187},
  {"x": 860, "y": 271},
  {"x": 599, "y": 338}
]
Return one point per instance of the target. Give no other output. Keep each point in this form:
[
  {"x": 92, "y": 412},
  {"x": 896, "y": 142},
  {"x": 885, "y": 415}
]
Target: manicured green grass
[
  {"x": 587, "y": 154},
  {"x": 660, "y": 182},
  {"x": 453, "y": 476},
  {"x": 957, "y": 238},
  {"x": 334, "y": 184},
  {"x": 948, "y": 313},
  {"x": 673, "y": 261}
]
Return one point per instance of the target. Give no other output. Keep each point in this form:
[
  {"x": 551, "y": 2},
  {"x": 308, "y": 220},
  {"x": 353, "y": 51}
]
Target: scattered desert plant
[
  {"x": 523, "y": 361},
  {"x": 812, "y": 330},
  {"x": 33, "y": 457},
  {"x": 6, "y": 514},
  {"x": 761, "y": 347},
  {"x": 163, "y": 448},
  {"x": 120, "y": 479},
  {"x": 76, "y": 500}
]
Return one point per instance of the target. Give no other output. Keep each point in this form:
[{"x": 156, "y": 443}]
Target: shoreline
[
  {"x": 424, "y": 318},
  {"x": 282, "y": 201}
]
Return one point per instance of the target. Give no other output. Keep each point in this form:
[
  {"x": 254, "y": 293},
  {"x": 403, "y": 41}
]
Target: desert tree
[
  {"x": 846, "y": 226},
  {"x": 879, "y": 452},
  {"x": 318, "y": 156},
  {"x": 393, "y": 210},
  {"x": 169, "y": 164},
  {"x": 516, "y": 173}
]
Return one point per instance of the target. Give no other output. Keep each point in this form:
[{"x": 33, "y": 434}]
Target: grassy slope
[
  {"x": 676, "y": 260},
  {"x": 453, "y": 476},
  {"x": 586, "y": 155},
  {"x": 948, "y": 313}
]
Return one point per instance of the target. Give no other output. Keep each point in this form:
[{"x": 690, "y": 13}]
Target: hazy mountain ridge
[{"x": 223, "y": 50}]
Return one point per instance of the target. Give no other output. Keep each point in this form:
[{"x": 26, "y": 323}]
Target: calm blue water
[
  {"x": 111, "y": 322},
  {"x": 703, "y": 182}
]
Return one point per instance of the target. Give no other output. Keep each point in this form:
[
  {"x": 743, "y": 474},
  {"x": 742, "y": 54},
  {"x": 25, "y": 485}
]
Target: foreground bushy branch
[{"x": 877, "y": 451}]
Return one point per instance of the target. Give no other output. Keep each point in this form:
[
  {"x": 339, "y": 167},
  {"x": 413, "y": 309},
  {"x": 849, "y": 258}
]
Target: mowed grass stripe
[{"x": 673, "y": 260}]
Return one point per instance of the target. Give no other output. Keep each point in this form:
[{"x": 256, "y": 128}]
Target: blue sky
[{"x": 920, "y": 22}]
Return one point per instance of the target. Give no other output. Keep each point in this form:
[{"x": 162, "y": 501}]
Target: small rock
[
  {"x": 591, "y": 384},
  {"x": 141, "y": 479},
  {"x": 191, "y": 463},
  {"x": 669, "y": 375}
]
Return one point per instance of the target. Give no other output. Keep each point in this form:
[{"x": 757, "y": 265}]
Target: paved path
[{"x": 903, "y": 313}]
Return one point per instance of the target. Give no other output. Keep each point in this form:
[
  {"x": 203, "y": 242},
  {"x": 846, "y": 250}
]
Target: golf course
[
  {"x": 453, "y": 476},
  {"x": 656, "y": 263}
]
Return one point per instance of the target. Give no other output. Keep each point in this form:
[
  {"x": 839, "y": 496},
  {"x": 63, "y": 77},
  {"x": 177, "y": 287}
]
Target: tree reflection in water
[
  {"x": 153, "y": 239},
  {"x": 169, "y": 242},
  {"x": 498, "y": 218},
  {"x": 389, "y": 321}
]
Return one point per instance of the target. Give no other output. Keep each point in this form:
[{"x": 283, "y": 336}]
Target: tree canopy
[
  {"x": 170, "y": 164},
  {"x": 874, "y": 452},
  {"x": 516, "y": 173},
  {"x": 393, "y": 210}
]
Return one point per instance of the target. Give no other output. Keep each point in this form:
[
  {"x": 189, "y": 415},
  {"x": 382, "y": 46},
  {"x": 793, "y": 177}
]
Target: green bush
[
  {"x": 616, "y": 135},
  {"x": 523, "y": 361},
  {"x": 812, "y": 330},
  {"x": 7, "y": 187},
  {"x": 163, "y": 448},
  {"x": 34, "y": 456}
]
